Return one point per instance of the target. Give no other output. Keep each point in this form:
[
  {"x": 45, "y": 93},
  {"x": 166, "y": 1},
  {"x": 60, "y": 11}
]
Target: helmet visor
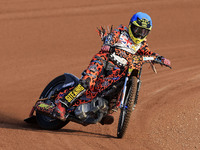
[{"x": 139, "y": 32}]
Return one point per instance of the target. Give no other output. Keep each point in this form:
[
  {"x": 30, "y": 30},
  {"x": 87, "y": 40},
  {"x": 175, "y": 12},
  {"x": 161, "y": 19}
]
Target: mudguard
[{"x": 70, "y": 80}]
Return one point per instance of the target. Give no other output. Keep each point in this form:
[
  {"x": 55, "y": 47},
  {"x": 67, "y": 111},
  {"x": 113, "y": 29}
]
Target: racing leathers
[{"x": 108, "y": 65}]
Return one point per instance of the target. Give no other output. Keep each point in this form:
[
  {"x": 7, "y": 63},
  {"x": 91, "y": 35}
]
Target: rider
[{"x": 127, "y": 41}]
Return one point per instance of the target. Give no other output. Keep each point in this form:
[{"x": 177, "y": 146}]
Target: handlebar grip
[{"x": 159, "y": 61}]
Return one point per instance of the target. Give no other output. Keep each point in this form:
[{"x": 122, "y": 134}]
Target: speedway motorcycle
[{"x": 122, "y": 95}]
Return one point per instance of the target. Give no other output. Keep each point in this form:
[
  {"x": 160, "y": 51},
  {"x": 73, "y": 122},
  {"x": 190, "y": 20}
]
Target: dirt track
[{"x": 41, "y": 39}]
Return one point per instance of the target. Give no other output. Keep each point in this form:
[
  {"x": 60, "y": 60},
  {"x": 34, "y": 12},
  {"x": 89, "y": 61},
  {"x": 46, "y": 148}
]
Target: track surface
[{"x": 41, "y": 39}]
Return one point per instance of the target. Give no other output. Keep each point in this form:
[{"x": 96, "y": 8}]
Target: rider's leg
[{"x": 65, "y": 99}]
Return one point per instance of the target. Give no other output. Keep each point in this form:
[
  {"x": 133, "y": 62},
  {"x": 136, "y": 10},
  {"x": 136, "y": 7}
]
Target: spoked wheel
[
  {"x": 126, "y": 110},
  {"x": 44, "y": 121}
]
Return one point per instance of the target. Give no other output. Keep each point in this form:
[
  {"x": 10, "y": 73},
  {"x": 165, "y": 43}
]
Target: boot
[
  {"x": 108, "y": 119},
  {"x": 60, "y": 111}
]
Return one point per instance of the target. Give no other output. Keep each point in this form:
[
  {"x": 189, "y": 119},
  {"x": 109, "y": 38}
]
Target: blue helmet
[{"x": 139, "y": 27}]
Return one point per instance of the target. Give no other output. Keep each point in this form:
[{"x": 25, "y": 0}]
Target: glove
[{"x": 165, "y": 61}]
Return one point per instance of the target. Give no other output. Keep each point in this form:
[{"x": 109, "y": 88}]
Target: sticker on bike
[{"x": 79, "y": 88}]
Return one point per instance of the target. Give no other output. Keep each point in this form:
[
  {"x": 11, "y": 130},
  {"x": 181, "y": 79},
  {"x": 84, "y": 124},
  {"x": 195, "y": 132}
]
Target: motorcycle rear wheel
[
  {"x": 126, "y": 110},
  {"x": 46, "y": 122}
]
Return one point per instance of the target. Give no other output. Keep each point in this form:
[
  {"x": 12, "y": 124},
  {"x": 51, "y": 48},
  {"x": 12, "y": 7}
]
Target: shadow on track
[{"x": 8, "y": 122}]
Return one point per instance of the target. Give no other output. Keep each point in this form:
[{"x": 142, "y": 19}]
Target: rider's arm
[{"x": 144, "y": 50}]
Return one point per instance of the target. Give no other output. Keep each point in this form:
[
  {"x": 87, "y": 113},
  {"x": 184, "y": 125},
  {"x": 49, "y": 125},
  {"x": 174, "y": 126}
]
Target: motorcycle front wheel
[{"x": 127, "y": 108}]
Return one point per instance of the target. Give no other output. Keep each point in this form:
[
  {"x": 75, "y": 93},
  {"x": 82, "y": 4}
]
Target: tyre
[
  {"x": 126, "y": 110},
  {"x": 44, "y": 121}
]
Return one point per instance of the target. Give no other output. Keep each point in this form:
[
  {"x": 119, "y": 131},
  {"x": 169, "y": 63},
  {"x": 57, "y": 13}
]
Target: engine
[{"x": 92, "y": 112}]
